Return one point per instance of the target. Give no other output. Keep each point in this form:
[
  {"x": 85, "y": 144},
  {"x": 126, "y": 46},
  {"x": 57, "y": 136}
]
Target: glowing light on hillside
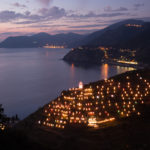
[{"x": 80, "y": 85}]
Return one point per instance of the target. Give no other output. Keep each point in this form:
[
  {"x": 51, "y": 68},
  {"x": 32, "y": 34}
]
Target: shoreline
[
  {"x": 91, "y": 64},
  {"x": 112, "y": 62}
]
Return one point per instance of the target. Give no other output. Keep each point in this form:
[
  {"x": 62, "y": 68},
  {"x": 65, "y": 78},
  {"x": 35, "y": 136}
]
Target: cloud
[
  {"x": 109, "y": 9},
  {"x": 138, "y": 5},
  {"x": 19, "y": 5},
  {"x": 42, "y": 15},
  {"x": 7, "y": 16},
  {"x": 27, "y": 13},
  {"x": 92, "y": 14},
  {"x": 113, "y": 14},
  {"x": 89, "y": 26},
  {"x": 77, "y": 31},
  {"x": 25, "y": 22},
  {"x": 121, "y": 9},
  {"x": 47, "y": 26},
  {"x": 54, "y": 12},
  {"x": 45, "y": 2}
]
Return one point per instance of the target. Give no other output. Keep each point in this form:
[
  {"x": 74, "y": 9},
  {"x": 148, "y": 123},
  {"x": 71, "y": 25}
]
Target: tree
[
  {"x": 3, "y": 118},
  {"x": 2, "y": 127},
  {"x": 1, "y": 113},
  {"x": 7, "y": 121}
]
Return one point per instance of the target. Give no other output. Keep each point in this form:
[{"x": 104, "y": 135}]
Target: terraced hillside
[{"x": 97, "y": 103}]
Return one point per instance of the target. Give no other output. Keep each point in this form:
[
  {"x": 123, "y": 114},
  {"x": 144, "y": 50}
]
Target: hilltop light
[{"x": 80, "y": 85}]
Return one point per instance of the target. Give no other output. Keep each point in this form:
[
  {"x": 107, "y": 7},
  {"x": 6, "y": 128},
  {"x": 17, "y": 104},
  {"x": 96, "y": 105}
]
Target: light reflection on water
[
  {"x": 124, "y": 69},
  {"x": 104, "y": 71},
  {"x": 105, "y": 68},
  {"x": 30, "y": 78}
]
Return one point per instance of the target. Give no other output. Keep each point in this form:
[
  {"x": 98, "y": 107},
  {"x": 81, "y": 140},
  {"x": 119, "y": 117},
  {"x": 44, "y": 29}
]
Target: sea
[{"x": 31, "y": 78}]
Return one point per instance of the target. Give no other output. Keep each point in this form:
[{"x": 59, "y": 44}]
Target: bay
[{"x": 30, "y": 78}]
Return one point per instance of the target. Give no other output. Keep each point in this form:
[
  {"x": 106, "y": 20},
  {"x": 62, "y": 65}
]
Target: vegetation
[
  {"x": 6, "y": 122},
  {"x": 3, "y": 119},
  {"x": 84, "y": 56}
]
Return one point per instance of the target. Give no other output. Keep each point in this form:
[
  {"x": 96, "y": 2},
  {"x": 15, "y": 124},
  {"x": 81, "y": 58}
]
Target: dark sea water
[{"x": 30, "y": 78}]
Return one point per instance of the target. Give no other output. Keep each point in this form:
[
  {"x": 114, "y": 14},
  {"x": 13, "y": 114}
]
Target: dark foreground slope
[{"x": 131, "y": 133}]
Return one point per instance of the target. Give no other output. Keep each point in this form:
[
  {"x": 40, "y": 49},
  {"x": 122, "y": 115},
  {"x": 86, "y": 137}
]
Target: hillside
[
  {"x": 84, "y": 57},
  {"x": 118, "y": 40},
  {"x": 104, "y": 36}
]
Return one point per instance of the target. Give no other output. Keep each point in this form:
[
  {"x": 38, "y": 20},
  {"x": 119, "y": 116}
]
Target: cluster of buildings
[
  {"x": 98, "y": 103},
  {"x": 134, "y": 25},
  {"x": 54, "y": 46}
]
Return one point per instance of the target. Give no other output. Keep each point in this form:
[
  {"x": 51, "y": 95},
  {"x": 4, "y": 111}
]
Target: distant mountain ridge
[
  {"x": 115, "y": 35},
  {"x": 40, "y": 40}
]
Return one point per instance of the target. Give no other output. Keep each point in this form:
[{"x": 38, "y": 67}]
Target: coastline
[{"x": 136, "y": 66}]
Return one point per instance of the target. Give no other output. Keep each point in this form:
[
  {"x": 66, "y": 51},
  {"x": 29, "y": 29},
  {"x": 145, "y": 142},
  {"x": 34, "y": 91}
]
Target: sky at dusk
[{"x": 26, "y": 17}]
